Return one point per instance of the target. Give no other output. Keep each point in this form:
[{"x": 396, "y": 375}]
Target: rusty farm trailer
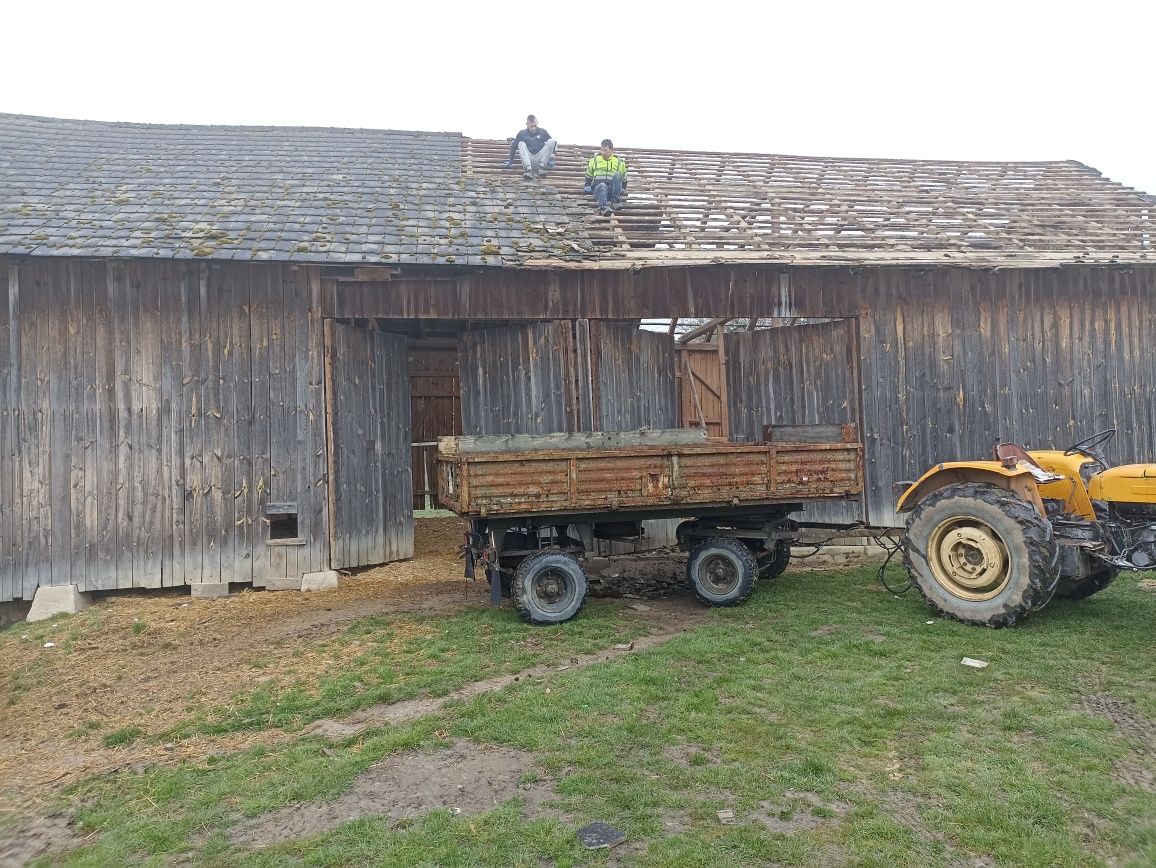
[{"x": 524, "y": 495}]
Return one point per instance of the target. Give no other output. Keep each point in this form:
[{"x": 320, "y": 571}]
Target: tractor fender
[{"x": 1019, "y": 480}]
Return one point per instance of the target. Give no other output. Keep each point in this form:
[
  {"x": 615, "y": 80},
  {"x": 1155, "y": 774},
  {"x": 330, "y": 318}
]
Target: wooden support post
[{"x": 724, "y": 410}]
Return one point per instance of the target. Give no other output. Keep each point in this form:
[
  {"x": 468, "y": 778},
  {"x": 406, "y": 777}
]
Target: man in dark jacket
[
  {"x": 536, "y": 149},
  {"x": 606, "y": 178}
]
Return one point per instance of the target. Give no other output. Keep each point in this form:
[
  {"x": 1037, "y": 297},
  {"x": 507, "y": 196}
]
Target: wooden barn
[{"x": 220, "y": 345}]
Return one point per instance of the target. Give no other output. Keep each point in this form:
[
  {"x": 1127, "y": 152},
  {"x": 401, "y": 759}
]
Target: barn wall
[
  {"x": 951, "y": 359},
  {"x": 148, "y": 414}
]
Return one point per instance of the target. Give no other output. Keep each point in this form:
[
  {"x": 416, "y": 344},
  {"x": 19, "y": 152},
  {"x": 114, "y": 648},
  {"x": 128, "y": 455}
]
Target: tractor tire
[
  {"x": 981, "y": 555},
  {"x": 774, "y": 566},
  {"x": 722, "y": 572},
  {"x": 549, "y": 588},
  {"x": 1069, "y": 588}
]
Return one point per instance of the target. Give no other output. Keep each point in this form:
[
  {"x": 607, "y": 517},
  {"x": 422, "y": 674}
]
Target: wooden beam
[
  {"x": 705, "y": 328},
  {"x": 724, "y": 410}
]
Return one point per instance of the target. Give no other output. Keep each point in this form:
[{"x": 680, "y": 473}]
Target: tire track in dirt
[{"x": 672, "y": 617}]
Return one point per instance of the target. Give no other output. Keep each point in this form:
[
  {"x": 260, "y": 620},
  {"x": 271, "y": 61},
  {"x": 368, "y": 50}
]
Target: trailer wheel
[
  {"x": 722, "y": 571},
  {"x": 981, "y": 555},
  {"x": 1078, "y": 589},
  {"x": 549, "y": 588},
  {"x": 780, "y": 557}
]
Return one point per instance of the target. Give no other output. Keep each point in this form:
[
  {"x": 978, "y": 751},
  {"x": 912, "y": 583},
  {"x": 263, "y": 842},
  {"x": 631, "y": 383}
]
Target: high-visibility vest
[{"x": 600, "y": 167}]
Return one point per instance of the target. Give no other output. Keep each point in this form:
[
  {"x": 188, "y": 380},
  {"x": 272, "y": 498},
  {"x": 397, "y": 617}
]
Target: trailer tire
[
  {"x": 1069, "y": 588},
  {"x": 722, "y": 572},
  {"x": 549, "y": 588},
  {"x": 981, "y": 555},
  {"x": 777, "y": 564}
]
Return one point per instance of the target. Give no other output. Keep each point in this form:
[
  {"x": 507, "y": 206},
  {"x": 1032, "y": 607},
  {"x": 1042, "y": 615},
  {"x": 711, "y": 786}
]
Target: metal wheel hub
[
  {"x": 969, "y": 559},
  {"x": 550, "y": 588},
  {"x": 719, "y": 573}
]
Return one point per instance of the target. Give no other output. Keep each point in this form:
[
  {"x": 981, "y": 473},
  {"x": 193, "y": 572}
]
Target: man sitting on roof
[
  {"x": 536, "y": 149},
  {"x": 606, "y": 178}
]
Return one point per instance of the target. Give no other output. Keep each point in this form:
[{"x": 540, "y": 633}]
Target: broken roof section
[
  {"x": 341, "y": 196},
  {"x": 351, "y": 196},
  {"x": 686, "y": 207}
]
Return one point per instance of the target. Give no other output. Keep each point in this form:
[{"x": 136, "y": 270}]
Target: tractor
[{"x": 991, "y": 542}]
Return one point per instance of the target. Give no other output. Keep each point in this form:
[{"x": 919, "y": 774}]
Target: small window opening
[
  {"x": 282, "y": 520},
  {"x": 283, "y": 526}
]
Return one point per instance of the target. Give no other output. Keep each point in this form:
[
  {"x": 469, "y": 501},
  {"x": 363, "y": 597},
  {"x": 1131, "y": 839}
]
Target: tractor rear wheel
[
  {"x": 981, "y": 555},
  {"x": 1070, "y": 588}
]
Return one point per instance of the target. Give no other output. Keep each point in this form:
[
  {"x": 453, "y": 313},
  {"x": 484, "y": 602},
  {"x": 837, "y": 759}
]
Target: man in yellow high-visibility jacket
[{"x": 606, "y": 178}]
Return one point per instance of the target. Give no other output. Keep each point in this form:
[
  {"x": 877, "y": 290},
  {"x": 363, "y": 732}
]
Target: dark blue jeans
[{"x": 608, "y": 187}]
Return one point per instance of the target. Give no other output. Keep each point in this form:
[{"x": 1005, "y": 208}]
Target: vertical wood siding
[
  {"x": 149, "y": 413},
  {"x": 794, "y": 375},
  {"x": 635, "y": 377},
  {"x": 518, "y": 379},
  {"x": 954, "y": 360},
  {"x": 369, "y": 402}
]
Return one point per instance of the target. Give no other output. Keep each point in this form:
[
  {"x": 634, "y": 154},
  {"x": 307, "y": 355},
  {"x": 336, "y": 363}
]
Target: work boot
[
  {"x": 529, "y": 176},
  {"x": 605, "y": 211}
]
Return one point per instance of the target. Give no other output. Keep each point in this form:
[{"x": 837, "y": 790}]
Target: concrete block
[
  {"x": 57, "y": 600},
  {"x": 325, "y": 580},
  {"x": 283, "y": 584},
  {"x": 209, "y": 590}
]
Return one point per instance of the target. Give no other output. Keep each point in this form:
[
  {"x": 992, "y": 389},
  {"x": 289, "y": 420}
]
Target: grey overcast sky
[{"x": 977, "y": 80}]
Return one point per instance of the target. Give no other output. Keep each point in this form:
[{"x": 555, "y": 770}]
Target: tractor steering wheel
[{"x": 1088, "y": 445}]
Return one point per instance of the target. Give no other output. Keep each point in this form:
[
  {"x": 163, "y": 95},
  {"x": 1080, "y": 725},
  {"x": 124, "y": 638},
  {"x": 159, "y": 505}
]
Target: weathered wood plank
[
  {"x": 260, "y": 301},
  {"x": 11, "y": 489},
  {"x": 317, "y": 519},
  {"x": 586, "y": 440}
]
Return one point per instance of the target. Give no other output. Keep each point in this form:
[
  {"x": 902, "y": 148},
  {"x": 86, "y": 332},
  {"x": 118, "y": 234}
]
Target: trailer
[{"x": 536, "y": 503}]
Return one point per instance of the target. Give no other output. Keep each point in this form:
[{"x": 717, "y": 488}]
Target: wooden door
[
  {"x": 518, "y": 379},
  {"x": 368, "y": 409}
]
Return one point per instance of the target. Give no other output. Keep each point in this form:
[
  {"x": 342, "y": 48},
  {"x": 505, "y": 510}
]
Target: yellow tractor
[{"x": 991, "y": 542}]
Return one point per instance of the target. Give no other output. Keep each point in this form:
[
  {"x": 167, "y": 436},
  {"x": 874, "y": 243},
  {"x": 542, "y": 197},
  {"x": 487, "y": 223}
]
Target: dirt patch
[
  {"x": 468, "y": 778},
  {"x": 688, "y": 756},
  {"x": 1134, "y": 776},
  {"x": 827, "y": 630},
  {"x": 1148, "y": 584},
  {"x": 1129, "y": 721},
  {"x": 29, "y": 839},
  {"x": 646, "y": 575},
  {"x": 148, "y": 658},
  {"x": 797, "y": 811},
  {"x": 151, "y": 659},
  {"x": 669, "y": 617}
]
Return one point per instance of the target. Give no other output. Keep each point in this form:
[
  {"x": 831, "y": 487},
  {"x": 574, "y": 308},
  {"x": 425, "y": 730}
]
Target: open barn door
[
  {"x": 368, "y": 426},
  {"x": 795, "y": 375},
  {"x": 632, "y": 376},
  {"x": 518, "y": 379}
]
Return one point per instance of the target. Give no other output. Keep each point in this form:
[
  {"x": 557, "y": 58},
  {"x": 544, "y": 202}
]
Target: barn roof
[{"x": 352, "y": 196}]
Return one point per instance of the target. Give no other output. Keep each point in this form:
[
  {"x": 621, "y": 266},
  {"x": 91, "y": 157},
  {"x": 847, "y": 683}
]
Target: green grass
[
  {"x": 449, "y": 652},
  {"x": 820, "y": 684}
]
